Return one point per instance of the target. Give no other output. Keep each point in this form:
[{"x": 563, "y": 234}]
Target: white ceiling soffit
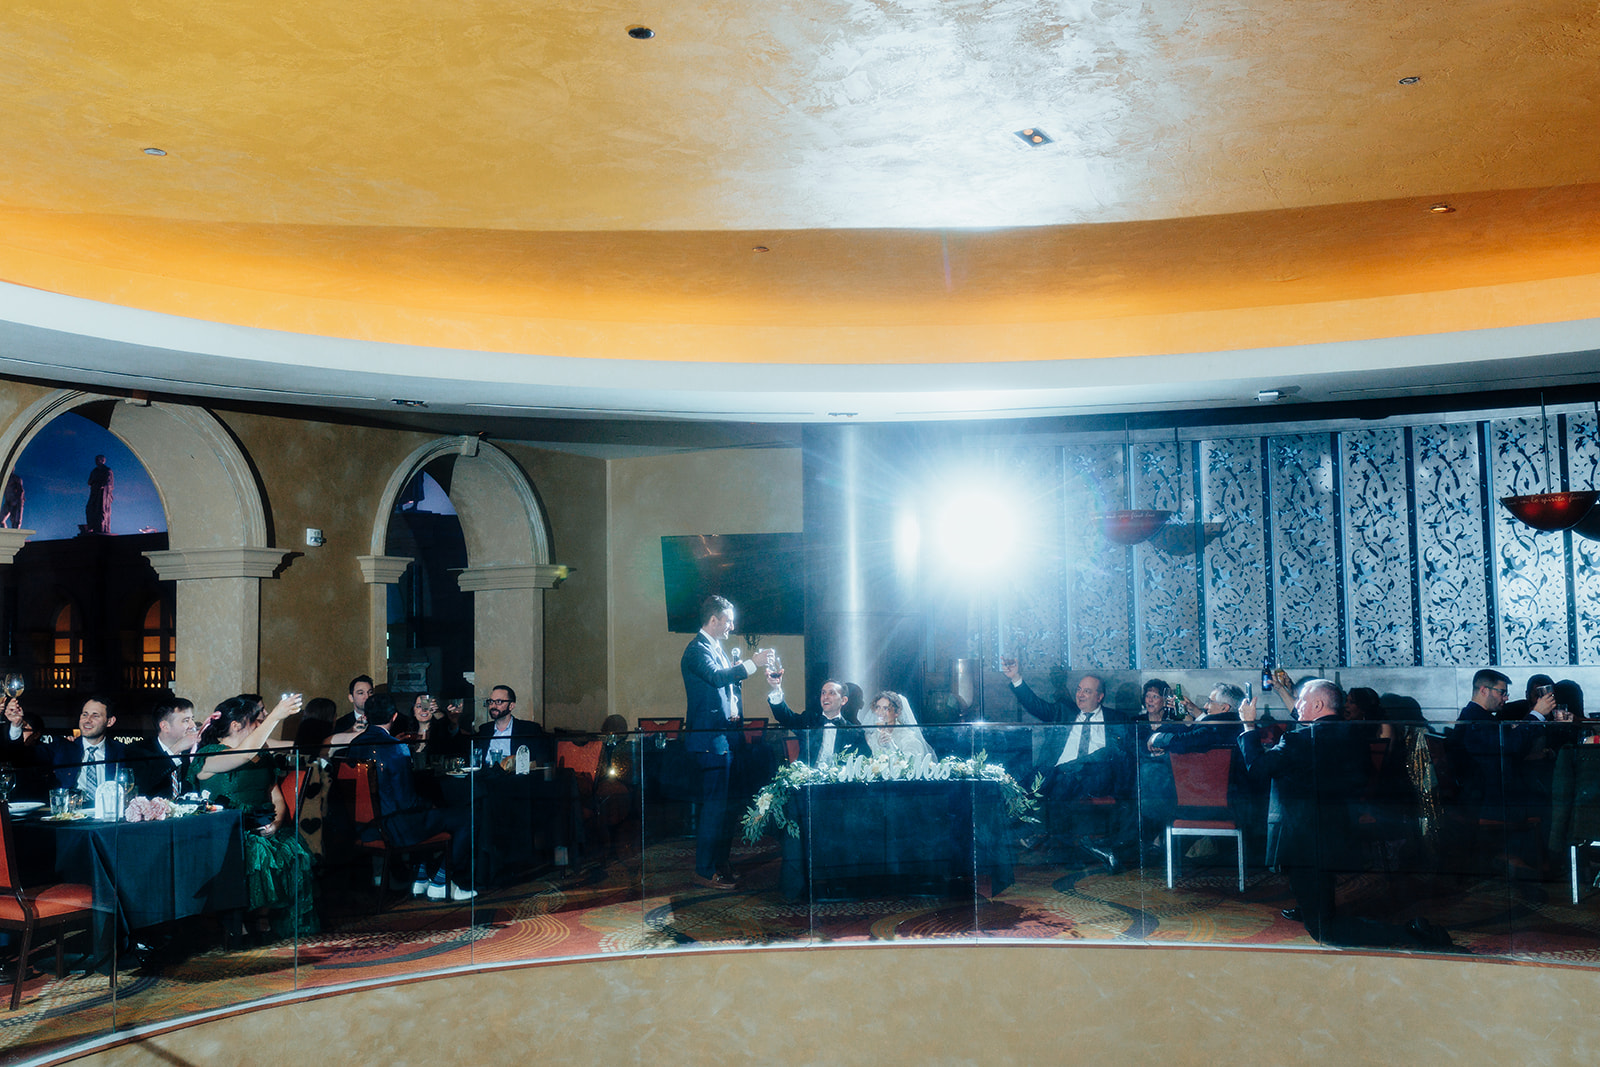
[{"x": 71, "y": 340}]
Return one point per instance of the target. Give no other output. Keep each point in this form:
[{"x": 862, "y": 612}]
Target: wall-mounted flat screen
[{"x": 763, "y": 574}]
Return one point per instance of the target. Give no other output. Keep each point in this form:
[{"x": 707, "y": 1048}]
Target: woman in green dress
[{"x": 235, "y": 767}]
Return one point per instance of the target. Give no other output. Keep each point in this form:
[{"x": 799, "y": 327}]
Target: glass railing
[{"x": 1403, "y": 839}]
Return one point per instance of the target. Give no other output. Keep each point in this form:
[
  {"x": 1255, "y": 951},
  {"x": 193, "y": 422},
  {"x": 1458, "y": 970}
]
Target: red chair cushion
[
  {"x": 1204, "y": 824},
  {"x": 49, "y": 901}
]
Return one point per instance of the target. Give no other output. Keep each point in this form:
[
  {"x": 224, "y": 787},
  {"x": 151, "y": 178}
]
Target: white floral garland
[{"x": 771, "y": 804}]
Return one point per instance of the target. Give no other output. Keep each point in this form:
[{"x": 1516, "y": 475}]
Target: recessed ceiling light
[
  {"x": 1034, "y": 137},
  {"x": 1440, "y": 209},
  {"x": 1410, "y": 79},
  {"x": 842, "y": 414},
  {"x": 641, "y": 33},
  {"x": 399, "y": 403},
  {"x": 1269, "y": 396},
  {"x": 761, "y": 248},
  {"x": 155, "y": 151}
]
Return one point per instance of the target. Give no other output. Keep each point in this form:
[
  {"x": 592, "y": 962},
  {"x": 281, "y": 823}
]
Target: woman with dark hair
[
  {"x": 316, "y": 726},
  {"x": 232, "y": 764},
  {"x": 1566, "y": 726}
]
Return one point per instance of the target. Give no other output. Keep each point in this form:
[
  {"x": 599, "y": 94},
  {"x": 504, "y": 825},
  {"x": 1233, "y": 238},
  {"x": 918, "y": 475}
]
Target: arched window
[
  {"x": 158, "y": 647},
  {"x": 66, "y": 649}
]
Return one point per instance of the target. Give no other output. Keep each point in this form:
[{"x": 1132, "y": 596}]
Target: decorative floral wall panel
[
  {"x": 1166, "y": 568},
  {"x": 1238, "y": 622},
  {"x": 1530, "y": 567},
  {"x": 1097, "y": 570},
  {"x": 1379, "y": 575},
  {"x": 1451, "y": 548},
  {"x": 1303, "y": 523}
]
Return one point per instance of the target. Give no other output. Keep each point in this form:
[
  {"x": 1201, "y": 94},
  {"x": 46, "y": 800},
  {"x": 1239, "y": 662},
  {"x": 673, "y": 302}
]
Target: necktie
[
  {"x": 1083, "y": 737},
  {"x": 91, "y": 770}
]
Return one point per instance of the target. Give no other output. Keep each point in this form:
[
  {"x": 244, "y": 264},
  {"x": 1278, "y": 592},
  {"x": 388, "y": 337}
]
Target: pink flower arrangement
[{"x": 148, "y": 809}]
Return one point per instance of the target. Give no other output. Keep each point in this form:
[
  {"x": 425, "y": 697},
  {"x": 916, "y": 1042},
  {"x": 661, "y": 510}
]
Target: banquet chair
[
  {"x": 52, "y": 907},
  {"x": 1201, "y": 779},
  {"x": 385, "y": 847},
  {"x": 669, "y": 727},
  {"x": 583, "y": 759}
]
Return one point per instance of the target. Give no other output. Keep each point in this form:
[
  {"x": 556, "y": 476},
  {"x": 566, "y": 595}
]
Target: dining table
[{"x": 142, "y": 873}]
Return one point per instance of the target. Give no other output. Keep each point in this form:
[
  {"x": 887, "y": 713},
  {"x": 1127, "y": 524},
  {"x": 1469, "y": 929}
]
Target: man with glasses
[
  {"x": 504, "y": 733},
  {"x": 1095, "y": 759},
  {"x": 1496, "y": 787}
]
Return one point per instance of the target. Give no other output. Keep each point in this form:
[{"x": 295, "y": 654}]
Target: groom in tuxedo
[
  {"x": 711, "y": 686},
  {"x": 825, "y": 732}
]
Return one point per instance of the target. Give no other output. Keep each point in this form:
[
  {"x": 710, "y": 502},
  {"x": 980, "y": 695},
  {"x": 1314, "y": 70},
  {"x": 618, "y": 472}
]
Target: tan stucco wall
[
  {"x": 330, "y": 476},
  {"x": 900, "y": 1004},
  {"x": 721, "y": 492},
  {"x": 572, "y": 489}
]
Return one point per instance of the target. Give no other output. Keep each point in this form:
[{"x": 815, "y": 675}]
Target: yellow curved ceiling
[{"x": 526, "y": 178}]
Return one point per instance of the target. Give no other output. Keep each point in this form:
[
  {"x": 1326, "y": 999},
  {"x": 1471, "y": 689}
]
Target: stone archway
[
  {"x": 217, "y": 538},
  {"x": 508, "y": 564}
]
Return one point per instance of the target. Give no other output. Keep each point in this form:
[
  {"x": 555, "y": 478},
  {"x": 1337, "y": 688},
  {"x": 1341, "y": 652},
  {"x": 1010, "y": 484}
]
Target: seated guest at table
[
  {"x": 1157, "y": 798},
  {"x": 824, "y": 732},
  {"x": 1096, "y": 759},
  {"x": 407, "y": 816},
  {"x": 316, "y": 726},
  {"x": 1566, "y": 725},
  {"x": 451, "y": 731},
  {"x": 160, "y": 764},
  {"x": 24, "y": 750},
  {"x": 1517, "y": 710},
  {"x": 504, "y": 733},
  {"x": 355, "y": 720},
  {"x": 1217, "y": 727},
  {"x": 414, "y": 728},
  {"x": 234, "y": 766},
  {"x": 893, "y": 727},
  {"x": 84, "y": 762}
]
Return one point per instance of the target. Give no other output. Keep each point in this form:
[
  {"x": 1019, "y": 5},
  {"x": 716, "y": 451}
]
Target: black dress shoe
[
  {"x": 1429, "y": 935},
  {"x": 1293, "y": 915}
]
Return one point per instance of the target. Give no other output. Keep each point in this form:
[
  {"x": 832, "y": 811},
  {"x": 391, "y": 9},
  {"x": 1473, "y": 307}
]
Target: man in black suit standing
[
  {"x": 824, "y": 732},
  {"x": 504, "y": 733},
  {"x": 1316, "y": 770},
  {"x": 160, "y": 764},
  {"x": 95, "y": 756},
  {"x": 711, "y": 687}
]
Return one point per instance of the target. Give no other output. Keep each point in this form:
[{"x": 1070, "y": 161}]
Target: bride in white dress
[{"x": 890, "y": 724}]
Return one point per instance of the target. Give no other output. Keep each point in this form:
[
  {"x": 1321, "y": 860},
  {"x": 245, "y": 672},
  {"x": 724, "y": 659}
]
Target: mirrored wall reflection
[{"x": 1380, "y": 547}]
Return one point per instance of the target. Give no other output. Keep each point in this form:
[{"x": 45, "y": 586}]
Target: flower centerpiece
[
  {"x": 149, "y": 809},
  {"x": 771, "y": 804}
]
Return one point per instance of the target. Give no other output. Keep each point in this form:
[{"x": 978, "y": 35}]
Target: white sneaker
[
  {"x": 420, "y": 886},
  {"x": 438, "y": 892}
]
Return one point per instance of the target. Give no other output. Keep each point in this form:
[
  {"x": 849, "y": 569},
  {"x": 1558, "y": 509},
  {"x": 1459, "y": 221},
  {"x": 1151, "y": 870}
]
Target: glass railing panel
[
  {"x": 696, "y": 868},
  {"x": 56, "y": 1011}
]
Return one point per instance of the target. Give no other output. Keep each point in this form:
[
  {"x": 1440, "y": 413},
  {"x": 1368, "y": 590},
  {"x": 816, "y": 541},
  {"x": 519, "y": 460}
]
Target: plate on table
[{"x": 22, "y": 807}]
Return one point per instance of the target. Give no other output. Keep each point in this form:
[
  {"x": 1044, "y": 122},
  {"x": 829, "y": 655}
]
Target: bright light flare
[{"x": 976, "y": 532}]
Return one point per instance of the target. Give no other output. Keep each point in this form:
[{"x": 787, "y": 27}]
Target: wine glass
[
  {"x": 14, "y": 686},
  {"x": 8, "y": 782}
]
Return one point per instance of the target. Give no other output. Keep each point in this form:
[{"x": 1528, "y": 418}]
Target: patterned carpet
[{"x": 640, "y": 900}]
